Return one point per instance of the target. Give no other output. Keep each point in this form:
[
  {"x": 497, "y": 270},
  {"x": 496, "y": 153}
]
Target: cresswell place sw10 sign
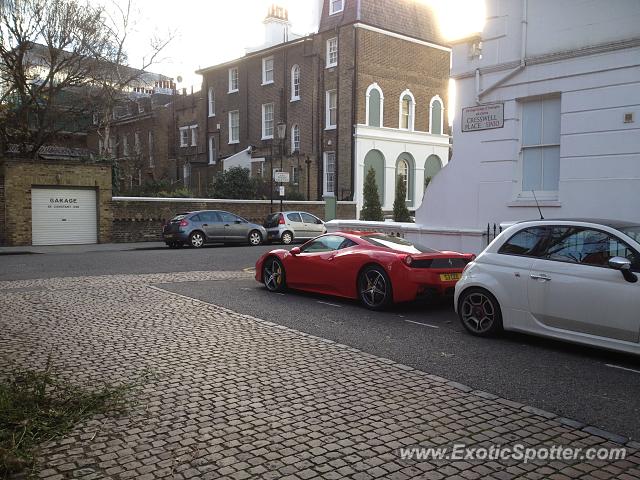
[{"x": 483, "y": 117}]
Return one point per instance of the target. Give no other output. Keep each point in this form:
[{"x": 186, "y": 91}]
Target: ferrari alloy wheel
[
  {"x": 479, "y": 312},
  {"x": 374, "y": 288},
  {"x": 196, "y": 239},
  {"x": 273, "y": 275},
  {"x": 287, "y": 238},
  {"x": 255, "y": 238}
]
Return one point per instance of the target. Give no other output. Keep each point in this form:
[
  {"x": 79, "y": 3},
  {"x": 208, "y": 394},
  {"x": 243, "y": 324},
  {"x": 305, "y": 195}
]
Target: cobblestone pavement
[{"x": 232, "y": 396}]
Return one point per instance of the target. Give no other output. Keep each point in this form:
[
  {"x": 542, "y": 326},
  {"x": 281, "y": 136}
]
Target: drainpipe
[{"x": 523, "y": 53}]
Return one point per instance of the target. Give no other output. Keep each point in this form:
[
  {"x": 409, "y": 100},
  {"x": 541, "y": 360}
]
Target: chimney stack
[{"x": 276, "y": 25}]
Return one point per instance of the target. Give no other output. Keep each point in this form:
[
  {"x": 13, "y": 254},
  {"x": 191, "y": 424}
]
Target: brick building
[{"x": 369, "y": 89}]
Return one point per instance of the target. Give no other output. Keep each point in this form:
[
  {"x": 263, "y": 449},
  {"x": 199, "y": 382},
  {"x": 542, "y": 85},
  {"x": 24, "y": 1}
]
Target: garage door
[{"x": 63, "y": 216}]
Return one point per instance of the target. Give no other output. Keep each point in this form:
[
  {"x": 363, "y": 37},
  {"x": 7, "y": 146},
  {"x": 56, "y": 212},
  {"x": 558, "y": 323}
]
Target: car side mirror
[
  {"x": 295, "y": 251},
  {"x": 238, "y": 221},
  {"x": 624, "y": 265}
]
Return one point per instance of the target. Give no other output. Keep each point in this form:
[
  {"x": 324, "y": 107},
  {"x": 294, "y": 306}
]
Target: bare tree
[
  {"x": 47, "y": 50},
  {"x": 117, "y": 75},
  {"x": 61, "y": 60}
]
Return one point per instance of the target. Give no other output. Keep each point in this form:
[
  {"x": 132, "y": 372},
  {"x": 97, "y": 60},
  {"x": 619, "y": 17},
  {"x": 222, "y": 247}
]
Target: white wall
[
  {"x": 391, "y": 142},
  {"x": 569, "y": 52}
]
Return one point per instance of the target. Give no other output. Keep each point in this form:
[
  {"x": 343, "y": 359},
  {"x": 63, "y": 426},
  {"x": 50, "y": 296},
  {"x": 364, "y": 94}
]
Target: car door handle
[{"x": 541, "y": 276}]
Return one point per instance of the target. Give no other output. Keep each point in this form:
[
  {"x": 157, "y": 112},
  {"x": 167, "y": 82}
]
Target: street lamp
[{"x": 281, "y": 134}]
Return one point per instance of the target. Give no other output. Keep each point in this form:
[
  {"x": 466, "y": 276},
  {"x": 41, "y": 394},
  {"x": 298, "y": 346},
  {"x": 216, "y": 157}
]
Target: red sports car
[{"x": 376, "y": 268}]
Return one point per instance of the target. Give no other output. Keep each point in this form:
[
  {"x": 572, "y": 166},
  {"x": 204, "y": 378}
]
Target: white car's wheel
[{"x": 479, "y": 312}]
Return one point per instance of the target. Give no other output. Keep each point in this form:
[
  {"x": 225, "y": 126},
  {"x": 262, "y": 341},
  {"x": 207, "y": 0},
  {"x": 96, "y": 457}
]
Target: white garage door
[{"x": 63, "y": 216}]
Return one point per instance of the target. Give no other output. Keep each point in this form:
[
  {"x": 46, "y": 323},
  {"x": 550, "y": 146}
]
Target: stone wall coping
[
  {"x": 402, "y": 226},
  {"x": 223, "y": 200}
]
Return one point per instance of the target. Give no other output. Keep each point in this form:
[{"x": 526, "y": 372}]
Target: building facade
[
  {"x": 555, "y": 89},
  {"x": 369, "y": 89}
]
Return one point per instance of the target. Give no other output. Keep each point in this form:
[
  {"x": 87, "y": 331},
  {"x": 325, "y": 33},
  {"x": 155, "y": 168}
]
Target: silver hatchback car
[{"x": 287, "y": 226}]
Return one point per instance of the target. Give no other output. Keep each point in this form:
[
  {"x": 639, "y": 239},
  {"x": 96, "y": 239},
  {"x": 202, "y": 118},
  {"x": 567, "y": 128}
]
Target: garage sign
[{"x": 483, "y": 117}]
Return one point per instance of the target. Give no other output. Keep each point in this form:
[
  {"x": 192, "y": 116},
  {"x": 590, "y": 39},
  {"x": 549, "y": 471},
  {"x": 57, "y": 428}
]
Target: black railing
[{"x": 493, "y": 232}]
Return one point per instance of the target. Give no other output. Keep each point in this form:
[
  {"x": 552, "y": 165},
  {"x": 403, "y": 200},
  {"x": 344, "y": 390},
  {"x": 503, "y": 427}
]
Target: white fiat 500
[{"x": 573, "y": 280}]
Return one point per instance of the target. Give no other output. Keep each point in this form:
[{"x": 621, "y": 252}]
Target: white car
[{"x": 573, "y": 280}]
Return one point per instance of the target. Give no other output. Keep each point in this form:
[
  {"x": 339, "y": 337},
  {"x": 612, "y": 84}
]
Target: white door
[
  {"x": 574, "y": 289},
  {"x": 63, "y": 216}
]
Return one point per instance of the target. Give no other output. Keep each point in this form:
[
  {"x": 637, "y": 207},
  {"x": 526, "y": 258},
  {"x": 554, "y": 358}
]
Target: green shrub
[{"x": 371, "y": 209}]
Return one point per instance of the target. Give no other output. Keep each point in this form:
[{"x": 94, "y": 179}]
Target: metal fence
[{"x": 493, "y": 232}]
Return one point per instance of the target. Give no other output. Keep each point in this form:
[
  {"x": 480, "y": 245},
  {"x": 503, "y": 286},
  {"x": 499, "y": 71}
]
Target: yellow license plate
[{"x": 449, "y": 277}]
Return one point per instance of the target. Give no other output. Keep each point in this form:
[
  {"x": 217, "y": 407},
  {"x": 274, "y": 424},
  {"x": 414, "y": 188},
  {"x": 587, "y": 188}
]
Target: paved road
[
  {"x": 229, "y": 396},
  {"x": 113, "y": 259},
  {"x": 572, "y": 381}
]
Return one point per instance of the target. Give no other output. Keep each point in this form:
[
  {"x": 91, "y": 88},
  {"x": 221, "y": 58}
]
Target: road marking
[
  {"x": 249, "y": 269},
  {"x": 278, "y": 293},
  {"x": 246, "y": 288},
  {"x": 423, "y": 324},
  {"x": 331, "y": 304},
  {"x": 622, "y": 368}
]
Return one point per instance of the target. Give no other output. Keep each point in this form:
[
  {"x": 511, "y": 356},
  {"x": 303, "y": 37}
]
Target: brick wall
[
  {"x": 20, "y": 175},
  {"x": 396, "y": 65},
  {"x": 136, "y": 220},
  {"x": 2, "y": 212}
]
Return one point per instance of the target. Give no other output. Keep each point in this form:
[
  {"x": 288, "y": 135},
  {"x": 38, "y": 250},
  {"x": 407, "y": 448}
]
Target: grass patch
[{"x": 38, "y": 406}]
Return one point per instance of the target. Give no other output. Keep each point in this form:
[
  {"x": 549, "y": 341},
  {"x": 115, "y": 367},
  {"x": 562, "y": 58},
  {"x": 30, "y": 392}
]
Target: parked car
[
  {"x": 211, "y": 226},
  {"x": 289, "y": 226},
  {"x": 376, "y": 268},
  {"x": 573, "y": 280}
]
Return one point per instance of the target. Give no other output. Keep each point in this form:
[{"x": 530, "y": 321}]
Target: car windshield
[
  {"x": 396, "y": 243},
  {"x": 633, "y": 231}
]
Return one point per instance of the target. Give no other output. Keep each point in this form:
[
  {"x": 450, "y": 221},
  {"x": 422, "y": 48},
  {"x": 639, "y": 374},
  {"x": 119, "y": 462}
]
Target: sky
[{"x": 208, "y": 32}]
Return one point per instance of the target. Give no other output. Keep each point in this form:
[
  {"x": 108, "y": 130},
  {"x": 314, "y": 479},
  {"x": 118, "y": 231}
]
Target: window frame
[
  {"x": 264, "y": 70},
  {"x": 211, "y": 99},
  {"x": 411, "y": 113},
  {"x": 328, "y": 109},
  {"x": 193, "y": 130},
  {"x": 295, "y": 83},
  {"x": 184, "y": 136},
  {"x": 325, "y": 183},
  {"x": 234, "y": 76},
  {"x": 212, "y": 150},
  {"x": 295, "y": 143},
  {"x": 330, "y": 52},
  {"x": 150, "y": 147},
  {"x": 265, "y": 134},
  {"x": 332, "y": 3},
  {"x": 544, "y": 194},
  {"x": 235, "y": 114}
]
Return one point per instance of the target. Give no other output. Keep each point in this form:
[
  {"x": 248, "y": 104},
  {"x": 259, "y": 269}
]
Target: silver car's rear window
[{"x": 633, "y": 232}]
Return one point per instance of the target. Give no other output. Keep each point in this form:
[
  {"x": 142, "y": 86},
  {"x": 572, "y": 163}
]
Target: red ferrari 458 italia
[{"x": 376, "y": 268}]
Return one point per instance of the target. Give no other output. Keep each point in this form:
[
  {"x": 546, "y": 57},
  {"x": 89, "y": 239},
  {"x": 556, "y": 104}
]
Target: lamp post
[{"x": 281, "y": 133}]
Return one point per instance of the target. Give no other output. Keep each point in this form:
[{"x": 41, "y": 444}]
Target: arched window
[
  {"x": 212, "y": 102},
  {"x": 405, "y": 169},
  {"x": 403, "y": 172},
  {"x": 432, "y": 165},
  {"x": 295, "y": 138},
  {"x": 213, "y": 154},
  {"x": 295, "y": 83},
  {"x": 375, "y": 159},
  {"x": 407, "y": 110},
  {"x": 435, "y": 115},
  {"x": 374, "y": 106}
]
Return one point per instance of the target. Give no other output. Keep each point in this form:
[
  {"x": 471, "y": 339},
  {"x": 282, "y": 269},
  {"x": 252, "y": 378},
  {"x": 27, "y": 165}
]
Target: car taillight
[
  {"x": 408, "y": 260},
  {"x": 281, "y": 220},
  {"x": 183, "y": 223}
]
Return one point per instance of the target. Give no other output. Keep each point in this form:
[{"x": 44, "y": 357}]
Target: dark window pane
[
  {"x": 307, "y": 218},
  {"x": 195, "y": 218},
  {"x": 294, "y": 217},
  {"x": 526, "y": 242}
]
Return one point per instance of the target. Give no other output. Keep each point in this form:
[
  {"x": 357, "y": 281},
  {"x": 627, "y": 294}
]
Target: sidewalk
[
  {"x": 62, "y": 249},
  {"x": 237, "y": 397}
]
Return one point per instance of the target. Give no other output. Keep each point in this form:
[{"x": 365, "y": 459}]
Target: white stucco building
[{"x": 567, "y": 76}]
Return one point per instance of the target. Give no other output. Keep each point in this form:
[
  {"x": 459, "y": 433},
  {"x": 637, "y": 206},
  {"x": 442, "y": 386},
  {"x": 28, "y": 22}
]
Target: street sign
[
  {"x": 281, "y": 189},
  {"x": 281, "y": 177},
  {"x": 483, "y": 117}
]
